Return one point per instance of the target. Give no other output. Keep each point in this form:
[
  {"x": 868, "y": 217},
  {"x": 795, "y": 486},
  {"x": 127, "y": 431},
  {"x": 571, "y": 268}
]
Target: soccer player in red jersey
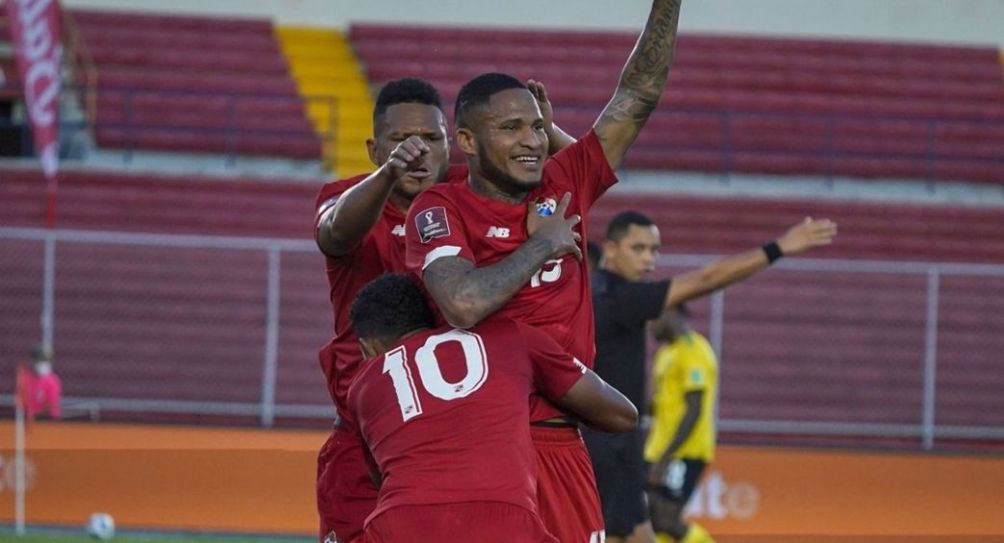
[
  {"x": 444, "y": 413},
  {"x": 360, "y": 225},
  {"x": 478, "y": 253},
  {"x": 360, "y": 230}
]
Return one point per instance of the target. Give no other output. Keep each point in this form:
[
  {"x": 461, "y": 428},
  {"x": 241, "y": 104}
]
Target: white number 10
[{"x": 431, "y": 376}]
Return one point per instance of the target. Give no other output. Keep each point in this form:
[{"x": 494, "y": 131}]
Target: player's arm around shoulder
[{"x": 563, "y": 379}]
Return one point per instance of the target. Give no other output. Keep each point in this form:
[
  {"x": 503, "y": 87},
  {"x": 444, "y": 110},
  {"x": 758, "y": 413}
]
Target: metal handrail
[{"x": 926, "y": 430}]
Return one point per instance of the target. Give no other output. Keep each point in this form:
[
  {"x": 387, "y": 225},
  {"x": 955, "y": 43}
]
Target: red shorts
[
  {"x": 483, "y": 522},
  {"x": 346, "y": 494},
  {"x": 567, "y": 498}
]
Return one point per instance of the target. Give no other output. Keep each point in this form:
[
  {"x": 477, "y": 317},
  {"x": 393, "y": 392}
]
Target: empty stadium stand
[
  {"x": 745, "y": 104},
  {"x": 830, "y": 346},
  {"x": 871, "y": 231},
  {"x": 193, "y": 84}
]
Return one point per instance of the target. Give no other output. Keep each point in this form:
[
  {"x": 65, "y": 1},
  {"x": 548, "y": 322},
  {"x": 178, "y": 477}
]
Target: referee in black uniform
[{"x": 623, "y": 302}]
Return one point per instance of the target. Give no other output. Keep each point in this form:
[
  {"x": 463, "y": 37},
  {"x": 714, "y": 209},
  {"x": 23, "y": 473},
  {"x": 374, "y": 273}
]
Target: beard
[{"x": 502, "y": 180}]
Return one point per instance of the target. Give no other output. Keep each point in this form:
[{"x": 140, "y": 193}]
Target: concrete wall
[{"x": 958, "y": 21}]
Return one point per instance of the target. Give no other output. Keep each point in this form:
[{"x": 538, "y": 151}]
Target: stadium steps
[
  {"x": 780, "y": 106},
  {"x": 194, "y": 84},
  {"x": 330, "y": 81}
]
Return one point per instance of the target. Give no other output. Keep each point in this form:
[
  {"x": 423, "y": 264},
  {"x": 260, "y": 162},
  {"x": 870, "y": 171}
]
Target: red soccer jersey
[
  {"x": 380, "y": 251},
  {"x": 444, "y": 413},
  {"x": 453, "y": 220}
]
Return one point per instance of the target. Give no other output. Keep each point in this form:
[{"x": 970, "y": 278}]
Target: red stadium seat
[
  {"x": 852, "y": 92},
  {"x": 194, "y": 84}
]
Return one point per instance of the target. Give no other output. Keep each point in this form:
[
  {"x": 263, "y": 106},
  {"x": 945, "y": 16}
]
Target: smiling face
[
  {"x": 634, "y": 255},
  {"x": 397, "y": 124},
  {"x": 506, "y": 144}
]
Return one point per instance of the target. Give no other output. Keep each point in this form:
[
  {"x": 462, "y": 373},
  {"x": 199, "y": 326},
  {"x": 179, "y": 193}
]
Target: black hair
[
  {"x": 409, "y": 90},
  {"x": 478, "y": 91},
  {"x": 389, "y": 307},
  {"x": 621, "y": 222}
]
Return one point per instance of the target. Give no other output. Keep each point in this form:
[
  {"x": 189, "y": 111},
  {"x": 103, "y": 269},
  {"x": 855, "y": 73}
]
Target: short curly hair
[
  {"x": 478, "y": 91},
  {"x": 409, "y": 90},
  {"x": 389, "y": 307}
]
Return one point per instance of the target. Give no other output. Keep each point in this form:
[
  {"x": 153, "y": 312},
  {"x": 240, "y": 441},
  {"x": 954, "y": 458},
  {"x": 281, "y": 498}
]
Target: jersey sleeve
[
  {"x": 693, "y": 367},
  {"x": 326, "y": 198},
  {"x": 636, "y": 302},
  {"x": 330, "y": 193},
  {"x": 434, "y": 229},
  {"x": 554, "y": 369},
  {"x": 585, "y": 166}
]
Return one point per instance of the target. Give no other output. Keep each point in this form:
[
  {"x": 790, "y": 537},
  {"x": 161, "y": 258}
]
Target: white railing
[{"x": 926, "y": 427}]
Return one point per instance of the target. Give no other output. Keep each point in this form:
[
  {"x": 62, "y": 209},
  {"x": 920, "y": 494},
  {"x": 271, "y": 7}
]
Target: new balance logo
[
  {"x": 398, "y": 230},
  {"x": 498, "y": 232}
]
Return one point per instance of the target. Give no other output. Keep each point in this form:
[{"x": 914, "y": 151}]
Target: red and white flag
[{"x": 34, "y": 28}]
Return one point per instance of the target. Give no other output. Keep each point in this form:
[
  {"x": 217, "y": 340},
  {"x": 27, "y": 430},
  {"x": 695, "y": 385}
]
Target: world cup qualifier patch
[{"x": 432, "y": 224}]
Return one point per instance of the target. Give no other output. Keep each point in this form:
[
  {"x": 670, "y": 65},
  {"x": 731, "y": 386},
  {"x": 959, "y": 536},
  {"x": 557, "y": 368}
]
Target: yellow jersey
[{"x": 687, "y": 364}]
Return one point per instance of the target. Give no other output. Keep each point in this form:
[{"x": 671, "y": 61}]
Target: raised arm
[
  {"x": 344, "y": 223},
  {"x": 803, "y": 236},
  {"x": 467, "y": 294},
  {"x": 641, "y": 83}
]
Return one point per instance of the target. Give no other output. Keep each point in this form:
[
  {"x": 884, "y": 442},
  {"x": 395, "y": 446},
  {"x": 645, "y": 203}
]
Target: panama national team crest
[
  {"x": 546, "y": 207},
  {"x": 432, "y": 224}
]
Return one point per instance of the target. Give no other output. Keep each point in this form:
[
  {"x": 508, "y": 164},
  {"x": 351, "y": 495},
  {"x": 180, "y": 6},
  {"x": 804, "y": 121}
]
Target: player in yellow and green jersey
[{"x": 682, "y": 438}]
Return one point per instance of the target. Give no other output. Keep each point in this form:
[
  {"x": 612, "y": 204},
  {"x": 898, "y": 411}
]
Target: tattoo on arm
[
  {"x": 647, "y": 69},
  {"x": 467, "y": 294},
  {"x": 641, "y": 82}
]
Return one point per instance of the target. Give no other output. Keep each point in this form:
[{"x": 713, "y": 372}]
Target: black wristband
[{"x": 773, "y": 251}]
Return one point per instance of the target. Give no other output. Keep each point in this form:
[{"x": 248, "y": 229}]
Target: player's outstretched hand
[
  {"x": 555, "y": 227},
  {"x": 806, "y": 235},
  {"x": 539, "y": 92},
  {"x": 407, "y": 156}
]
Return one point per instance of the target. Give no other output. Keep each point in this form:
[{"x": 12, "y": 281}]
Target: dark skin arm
[
  {"x": 557, "y": 138},
  {"x": 694, "y": 400},
  {"x": 805, "y": 235},
  {"x": 599, "y": 405},
  {"x": 641, "y": 84},
  {"x": 344, "y": 224},
  {"x": 467, "y": 294}
]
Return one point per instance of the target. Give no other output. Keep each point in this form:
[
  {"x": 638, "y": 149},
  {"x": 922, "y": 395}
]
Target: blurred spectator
[{"x": 40, "y": 387}]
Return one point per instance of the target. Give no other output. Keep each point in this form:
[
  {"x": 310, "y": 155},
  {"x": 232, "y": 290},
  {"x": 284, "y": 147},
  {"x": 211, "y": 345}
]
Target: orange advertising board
[
  {"x": 161, "y": 477},
  {"x": 258, "y": 481}
]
